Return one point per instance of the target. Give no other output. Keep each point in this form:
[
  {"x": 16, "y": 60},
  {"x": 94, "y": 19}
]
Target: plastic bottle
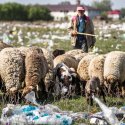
[{"x": 108, "y": 113}]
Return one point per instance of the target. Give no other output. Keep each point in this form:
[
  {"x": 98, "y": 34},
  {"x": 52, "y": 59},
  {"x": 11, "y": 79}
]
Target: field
[{"x": 54, "y": 35}]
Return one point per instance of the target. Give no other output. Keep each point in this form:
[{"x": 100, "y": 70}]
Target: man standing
[{"x": 81, "y": 24}]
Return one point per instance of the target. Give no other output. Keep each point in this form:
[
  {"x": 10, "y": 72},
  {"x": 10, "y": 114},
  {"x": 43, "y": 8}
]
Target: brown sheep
[{"x": 36, "y": 69}]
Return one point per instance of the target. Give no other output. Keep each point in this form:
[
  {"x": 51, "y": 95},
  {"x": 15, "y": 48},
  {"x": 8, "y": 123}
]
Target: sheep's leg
[
  {"x": 78, "y": 88},
  {"x": 41, "y": 93},
  {"x": 83, "y": 83}
]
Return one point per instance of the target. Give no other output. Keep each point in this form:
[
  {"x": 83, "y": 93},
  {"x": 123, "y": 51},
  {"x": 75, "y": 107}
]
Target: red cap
[{"x": 80, "y": 8}]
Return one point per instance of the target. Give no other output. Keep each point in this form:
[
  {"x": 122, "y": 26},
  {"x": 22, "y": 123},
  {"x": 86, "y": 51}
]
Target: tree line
[{"x": 19, "y": 12}]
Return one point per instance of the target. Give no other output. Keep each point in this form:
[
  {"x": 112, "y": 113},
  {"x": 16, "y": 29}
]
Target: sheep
[
  {"x": 67, "y": 82},
  {"x": 82, "y": 70},
  {"x": 114, "y": 71},
  {"x": 12, "y": 70},
  {"x": 36, "y": 69},
  {"x": 79, "y": 56},
  {"x": 96, "y": 70},
  {"x": 23, "y": 50},
  {"x": 68, "y": 60},
  {"x": 48, "y": 80},
  {"x": 62, "y": 65},
  {"x": 83, "y": 65}
]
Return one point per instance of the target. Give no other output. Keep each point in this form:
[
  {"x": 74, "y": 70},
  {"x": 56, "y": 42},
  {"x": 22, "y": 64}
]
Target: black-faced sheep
[{"x": 68, "y": 82}]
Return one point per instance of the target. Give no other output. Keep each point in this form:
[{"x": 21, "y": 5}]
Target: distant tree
[
  {"x": 123, "y": 13},
  {"x": 12, "y": 11},
  {"x": 104, "y": 5},
  {"x": 38, "y": 13},
  {"x": 15, "y": 11}
]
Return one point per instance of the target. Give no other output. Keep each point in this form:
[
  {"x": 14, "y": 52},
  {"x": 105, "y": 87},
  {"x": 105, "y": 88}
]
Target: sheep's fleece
[
  {"x": 70, "y": 61},
  {"x": 96, "y": 68},
  {"x": 12, "y": 68},
  {"x": 83, "y": 65},
  {"x": 115, "y": 65}
]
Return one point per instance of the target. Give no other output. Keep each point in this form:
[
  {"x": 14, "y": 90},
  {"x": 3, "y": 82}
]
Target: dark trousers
[{"x": 81, "y": 44}]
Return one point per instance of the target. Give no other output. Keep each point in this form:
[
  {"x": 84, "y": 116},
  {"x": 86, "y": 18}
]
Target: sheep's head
[
  {"x": 112, "y": 83},
  {"x": 63, "y": 73},
  {"x": 93, "y": 85},
  {"x": 65, "y": 76},
  {"x": 111, "y": 79},
  {"x": 92, "y": 88}
]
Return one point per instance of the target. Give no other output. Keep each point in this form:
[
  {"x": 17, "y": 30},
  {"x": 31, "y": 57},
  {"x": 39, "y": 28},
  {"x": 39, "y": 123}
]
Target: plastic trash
[
  {"x": 97, "y": 121},
  {"x": 108, "y": 113},
  {"x": 122, "y": 109},
  {"x": 31, "y": 98}
]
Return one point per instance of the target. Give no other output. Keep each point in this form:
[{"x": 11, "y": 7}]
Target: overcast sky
[{"x": 117, "y": 4}]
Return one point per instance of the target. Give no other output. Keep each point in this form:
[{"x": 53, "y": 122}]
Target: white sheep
[
  {"x": 12, "y": 70},
  {"x": 96, "y": 83},
  {"x": 114, "y": 70}
]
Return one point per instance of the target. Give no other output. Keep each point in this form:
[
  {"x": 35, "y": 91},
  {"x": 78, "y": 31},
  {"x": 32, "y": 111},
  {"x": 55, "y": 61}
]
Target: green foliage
[
  {"x": 12, "y": 11},
  {"x": 15, "y": 11},
  {"x": 104, "y": 5},
  {"x": 38, "y": 13}
]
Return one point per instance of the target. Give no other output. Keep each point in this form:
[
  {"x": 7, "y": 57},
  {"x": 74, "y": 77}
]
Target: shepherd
[{"x": 82, "y": 30}]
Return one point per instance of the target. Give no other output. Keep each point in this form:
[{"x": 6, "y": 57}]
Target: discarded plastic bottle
[
  {"x": 31, "y": 98},
  {"x": 108, "y": 113}
]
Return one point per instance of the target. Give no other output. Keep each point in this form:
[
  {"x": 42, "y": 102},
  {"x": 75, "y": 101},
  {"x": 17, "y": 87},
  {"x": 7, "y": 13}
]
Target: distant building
[
  {"x": 114, "y": 14},
  {"x": 65, "y": 10}
]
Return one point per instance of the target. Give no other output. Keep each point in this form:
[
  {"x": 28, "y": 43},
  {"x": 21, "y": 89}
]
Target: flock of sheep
[{"x": 60, "y": 73}]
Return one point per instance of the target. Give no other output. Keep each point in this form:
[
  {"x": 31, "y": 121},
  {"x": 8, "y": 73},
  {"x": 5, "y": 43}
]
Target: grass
[{"x": 78, "y": 104}]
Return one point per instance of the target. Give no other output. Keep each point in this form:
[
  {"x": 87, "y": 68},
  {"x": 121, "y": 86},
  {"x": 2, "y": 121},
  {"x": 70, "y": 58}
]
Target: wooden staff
[{"x": 87, "y": 34}]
